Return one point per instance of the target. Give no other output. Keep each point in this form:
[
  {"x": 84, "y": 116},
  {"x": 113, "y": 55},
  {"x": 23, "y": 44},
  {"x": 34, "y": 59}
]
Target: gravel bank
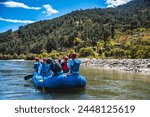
[{"x": 130, "y": 65}]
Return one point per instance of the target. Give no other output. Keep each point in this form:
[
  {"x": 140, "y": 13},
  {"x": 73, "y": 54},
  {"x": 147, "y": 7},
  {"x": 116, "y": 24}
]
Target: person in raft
[
  {"x": 49, "y": 63},
  {"x": 64, "y": 65},
  {"x": 37, "y": 64},
  {"x": 56, "y": 68},
  {"x": 59, "y": 60},
  {"x": 44, "y": 67},
  {"x": 74, "y": 64}
]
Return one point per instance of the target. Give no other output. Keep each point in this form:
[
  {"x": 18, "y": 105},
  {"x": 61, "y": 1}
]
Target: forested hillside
[{"x": 121, "y": 32}]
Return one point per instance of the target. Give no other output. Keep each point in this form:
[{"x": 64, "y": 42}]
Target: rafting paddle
[{"x": 28, "y": 77}]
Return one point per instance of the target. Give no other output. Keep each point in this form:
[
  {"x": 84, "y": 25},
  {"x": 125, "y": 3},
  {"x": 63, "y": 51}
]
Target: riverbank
[{"x": 129, "y": 65}]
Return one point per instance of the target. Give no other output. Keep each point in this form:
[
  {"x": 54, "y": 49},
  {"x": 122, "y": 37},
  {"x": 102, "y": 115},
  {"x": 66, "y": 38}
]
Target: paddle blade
[{"x": 28, "y": 77}]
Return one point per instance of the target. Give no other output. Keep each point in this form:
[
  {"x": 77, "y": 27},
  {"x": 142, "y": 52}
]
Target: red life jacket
[{"x": 65, "y": 66}]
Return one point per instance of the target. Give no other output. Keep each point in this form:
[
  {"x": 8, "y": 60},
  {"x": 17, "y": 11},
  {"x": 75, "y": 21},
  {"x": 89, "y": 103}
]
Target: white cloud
[
  {"x": 18, "y": 4},
  {"x": 114, "y": 3},
  {"x": 16, "y": 21},
  {"x": 49, "y": 10}
]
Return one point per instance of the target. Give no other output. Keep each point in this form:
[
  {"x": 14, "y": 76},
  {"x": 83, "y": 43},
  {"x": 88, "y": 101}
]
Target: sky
[{"x": 15, "y": 13}]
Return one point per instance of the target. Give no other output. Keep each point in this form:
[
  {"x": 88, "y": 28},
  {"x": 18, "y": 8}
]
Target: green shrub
[
  {"x": 21, "y": 56},
  {"x": 103, "y": 56},
  {"x": 87, "y": 52},
  {"x": 127, "y": 44},
  {"x": 9, "y": 56},
  {"x": 30, "y": 56},
  {"x": 6, "y": 56},
  {"x": 118, "y": 52},
  {"x": 54, "y": 54},
  {"x": 70, "y": 53},
  {"x": 39, "y": 55},
  {"x": 100, "y": 45},
  {"x": 15, "y": 56},
  {"x": 45, "y": 55},
  {"x": 108, "y": 53},
  {"x": 127, "y": 54},
  {"x": 142, "y": 52},
  {"x": 110, "y": 43},
  {"x": 133, "y": 51},
  {"x": 145, "y": 42}
]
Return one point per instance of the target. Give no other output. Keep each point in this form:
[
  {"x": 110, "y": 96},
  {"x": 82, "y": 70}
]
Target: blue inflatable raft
[{"x": 60, "y": 81}]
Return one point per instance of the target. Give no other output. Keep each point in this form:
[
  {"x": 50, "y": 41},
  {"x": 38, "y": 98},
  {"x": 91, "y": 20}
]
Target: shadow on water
[{"x": 101, "y": 84}]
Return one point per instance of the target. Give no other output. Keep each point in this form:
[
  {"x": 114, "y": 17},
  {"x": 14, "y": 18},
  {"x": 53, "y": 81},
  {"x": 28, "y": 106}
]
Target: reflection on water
[
  {"x": 101, "y": 84},
  {"x": 109, "y": 84}
]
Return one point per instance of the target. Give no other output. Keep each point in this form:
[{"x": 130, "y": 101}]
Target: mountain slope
[{"x": 82, "y": 28}]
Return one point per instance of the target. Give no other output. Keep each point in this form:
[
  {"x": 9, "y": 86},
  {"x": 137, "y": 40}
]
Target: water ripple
[{"x": 101, "y": 84}]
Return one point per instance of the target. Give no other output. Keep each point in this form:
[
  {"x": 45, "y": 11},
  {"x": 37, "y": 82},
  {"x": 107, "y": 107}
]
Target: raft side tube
[{"x": 61, "y": 81}]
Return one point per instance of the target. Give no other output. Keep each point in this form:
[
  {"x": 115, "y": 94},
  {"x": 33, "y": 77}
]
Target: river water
[{"x": 101, "y": 84}]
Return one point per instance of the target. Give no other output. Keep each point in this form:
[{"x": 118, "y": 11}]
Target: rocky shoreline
[{"x": 129, "y": 65}]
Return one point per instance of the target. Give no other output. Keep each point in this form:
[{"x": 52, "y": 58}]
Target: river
[{"x": 101, "y": 84}]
